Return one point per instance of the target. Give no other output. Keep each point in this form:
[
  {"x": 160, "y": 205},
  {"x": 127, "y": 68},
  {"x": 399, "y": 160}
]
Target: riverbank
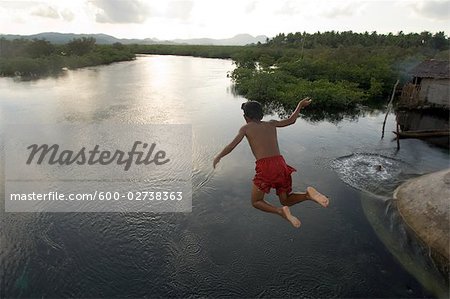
[
  {"x": 423, "y": 203},
  {"x": 24, "y": 62},
  {"x": 204, "y": 51}
]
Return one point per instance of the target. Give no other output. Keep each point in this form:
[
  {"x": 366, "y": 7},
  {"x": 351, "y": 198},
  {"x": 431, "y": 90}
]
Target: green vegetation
[
  {"x": 340, "y": 70},
  {"x": 223, "y": 52},
  {"x": 40, "y": 57}
]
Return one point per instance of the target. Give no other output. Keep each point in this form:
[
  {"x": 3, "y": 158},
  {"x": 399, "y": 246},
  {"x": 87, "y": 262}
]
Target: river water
[{"x": 357, "y": 247}]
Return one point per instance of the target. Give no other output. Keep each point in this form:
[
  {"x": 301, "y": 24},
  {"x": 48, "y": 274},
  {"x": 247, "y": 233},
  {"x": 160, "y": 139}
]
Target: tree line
[
  {"x": 40, "y": 57},
  {"x": 333, "y": 39}
]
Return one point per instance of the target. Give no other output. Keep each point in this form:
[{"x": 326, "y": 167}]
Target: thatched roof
[{"x": 438, "y": 69}]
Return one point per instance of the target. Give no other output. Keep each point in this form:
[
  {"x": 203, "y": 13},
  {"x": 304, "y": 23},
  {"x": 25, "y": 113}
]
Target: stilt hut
[{"x": 430, "y": 86}]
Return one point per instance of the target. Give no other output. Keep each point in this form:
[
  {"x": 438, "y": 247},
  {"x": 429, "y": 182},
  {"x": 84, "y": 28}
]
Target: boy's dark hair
[{"x": 253, "y": 110}]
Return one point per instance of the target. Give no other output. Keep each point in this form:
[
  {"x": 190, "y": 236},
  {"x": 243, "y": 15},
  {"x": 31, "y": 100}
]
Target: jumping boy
[{"x": 271, "y": 169}]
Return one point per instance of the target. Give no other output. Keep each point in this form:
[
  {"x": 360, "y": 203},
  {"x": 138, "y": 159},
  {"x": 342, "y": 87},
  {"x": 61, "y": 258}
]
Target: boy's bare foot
[
  {"x": 313, "y": 194},
  {"x": 286, "y": 213}
]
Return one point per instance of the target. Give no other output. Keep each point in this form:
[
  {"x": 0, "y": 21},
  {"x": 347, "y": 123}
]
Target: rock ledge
[{"x": 424, "y": 204}]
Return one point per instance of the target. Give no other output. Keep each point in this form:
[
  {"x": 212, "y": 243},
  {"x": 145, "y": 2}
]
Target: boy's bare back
[{"x": 262, "y": 137}]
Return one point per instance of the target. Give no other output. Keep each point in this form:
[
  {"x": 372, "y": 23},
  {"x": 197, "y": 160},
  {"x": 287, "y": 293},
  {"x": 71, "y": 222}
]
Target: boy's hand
[
  {"x": 305, "y": 102},
  {"x": 216, "y": 160}
]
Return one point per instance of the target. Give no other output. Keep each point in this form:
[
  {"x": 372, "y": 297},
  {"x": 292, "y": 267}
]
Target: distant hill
[
  {"x": 238, "y": 40},
  {"x": 62, "y": 38}
]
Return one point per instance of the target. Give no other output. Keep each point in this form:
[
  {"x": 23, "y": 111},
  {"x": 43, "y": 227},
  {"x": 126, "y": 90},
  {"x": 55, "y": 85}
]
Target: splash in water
[{"x": 373, "y": 173}]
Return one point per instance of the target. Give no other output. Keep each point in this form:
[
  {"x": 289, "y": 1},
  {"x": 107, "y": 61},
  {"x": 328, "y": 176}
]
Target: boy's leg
[
  {"x": 292, "y": 199},
  {"x": 310, "y": 194},
  {"x": 259, "y": 203}
]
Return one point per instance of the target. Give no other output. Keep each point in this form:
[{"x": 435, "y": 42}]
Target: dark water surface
[{"x": 358, "y": 247}]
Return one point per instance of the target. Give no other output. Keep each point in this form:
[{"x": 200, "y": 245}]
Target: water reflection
[
  {"x": 330, "y": 115},
  {"x": 28, "y": 78},
  {"x": 417, "y": 120}
]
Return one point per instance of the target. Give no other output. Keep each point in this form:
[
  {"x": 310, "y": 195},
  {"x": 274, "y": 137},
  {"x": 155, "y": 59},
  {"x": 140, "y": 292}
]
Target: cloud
[
  {"x": 67, "y": 15},
  {"x": 17, "y": 4},
  {"x": 53, "y": 13},
  {"x": 288, "y": 8},
  {"x": 118, "y": 11},
  {"x": 179, "y": 9},
  {"x": 342, "y": 9},
  {"x": 439, "y": 10},
  {"x": 250, "y": 7},
  {"x": 46, "y": 12}
]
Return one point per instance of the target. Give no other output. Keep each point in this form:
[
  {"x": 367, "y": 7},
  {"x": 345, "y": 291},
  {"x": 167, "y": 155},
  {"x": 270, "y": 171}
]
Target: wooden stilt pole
[{"x": 389, "y": 106}]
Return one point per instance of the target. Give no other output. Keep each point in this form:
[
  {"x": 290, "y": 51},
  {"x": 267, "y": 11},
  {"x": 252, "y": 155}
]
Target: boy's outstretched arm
[
  {"x": 227, "y": 149},
  {"x": 292, "y": 119}
]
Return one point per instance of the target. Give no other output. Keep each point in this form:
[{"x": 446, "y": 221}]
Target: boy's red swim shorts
[{"x": 273, "y": 172}]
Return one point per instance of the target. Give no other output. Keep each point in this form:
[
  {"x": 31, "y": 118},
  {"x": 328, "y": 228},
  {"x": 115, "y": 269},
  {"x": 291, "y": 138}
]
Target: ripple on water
[
  {"x": 190, "y": 244},
  {"x": 372, "y": 173}
]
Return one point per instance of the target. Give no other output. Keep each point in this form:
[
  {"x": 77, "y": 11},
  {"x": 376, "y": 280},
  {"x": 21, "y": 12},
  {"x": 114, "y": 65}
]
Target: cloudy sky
[{"x": 169, "y": 19}]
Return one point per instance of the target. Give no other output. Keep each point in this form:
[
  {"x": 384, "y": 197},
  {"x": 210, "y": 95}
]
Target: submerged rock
[{"x": 424, "y": 204}]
